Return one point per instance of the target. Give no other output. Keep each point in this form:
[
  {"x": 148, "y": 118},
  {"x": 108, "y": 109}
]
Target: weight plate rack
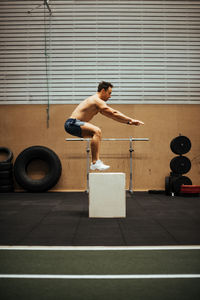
[{"x": 179, "y": 165}]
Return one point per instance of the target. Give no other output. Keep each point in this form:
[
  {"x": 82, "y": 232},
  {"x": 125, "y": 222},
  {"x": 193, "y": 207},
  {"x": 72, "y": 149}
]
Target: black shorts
[{"x": 73, "y": 127}]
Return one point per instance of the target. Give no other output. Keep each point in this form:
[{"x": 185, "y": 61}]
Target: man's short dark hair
[{"x": 104, "y": 85}]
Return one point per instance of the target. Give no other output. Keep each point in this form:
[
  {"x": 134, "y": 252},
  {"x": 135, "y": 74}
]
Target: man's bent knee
[{"x": 97, "y": 133}]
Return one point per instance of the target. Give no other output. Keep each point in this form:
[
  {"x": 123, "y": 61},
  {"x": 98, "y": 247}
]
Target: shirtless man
[{"x": 78, "y": 123}]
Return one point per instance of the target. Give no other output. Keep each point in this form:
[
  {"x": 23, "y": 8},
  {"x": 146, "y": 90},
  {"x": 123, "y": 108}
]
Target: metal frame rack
[{"x": 131, "y": 140}]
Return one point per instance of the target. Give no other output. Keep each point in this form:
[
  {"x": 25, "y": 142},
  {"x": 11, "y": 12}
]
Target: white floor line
[
  {"x": 101, "y": 248},
  {"x": 122, "y": 276}
]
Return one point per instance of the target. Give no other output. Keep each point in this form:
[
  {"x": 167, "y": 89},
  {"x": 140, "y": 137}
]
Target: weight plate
[
  {"x": 168, "y": 185},
  {"x": 180, "y": 145},
  {"x": 178, "y": 181},
  {"x": 180, "y": 165}
]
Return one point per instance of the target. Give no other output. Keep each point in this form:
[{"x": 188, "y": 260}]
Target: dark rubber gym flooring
[{"x": 61, "y": 219}]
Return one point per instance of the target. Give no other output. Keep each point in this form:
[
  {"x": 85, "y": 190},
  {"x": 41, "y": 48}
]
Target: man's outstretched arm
[{"x": 118, "y": 116}]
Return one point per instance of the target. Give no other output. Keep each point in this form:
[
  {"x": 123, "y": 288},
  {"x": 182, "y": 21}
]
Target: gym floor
[
  {"x": 61, "y": 219},
  {"x": 50, "y": 249}
]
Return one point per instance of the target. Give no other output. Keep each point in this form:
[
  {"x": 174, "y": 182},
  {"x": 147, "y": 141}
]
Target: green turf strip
[
  {"x": 162, "y": 289},
  {"x": 100, "y": 262}
]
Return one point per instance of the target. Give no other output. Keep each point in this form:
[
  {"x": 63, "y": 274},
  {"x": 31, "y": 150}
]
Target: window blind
[{"x": 149, "y": 50}]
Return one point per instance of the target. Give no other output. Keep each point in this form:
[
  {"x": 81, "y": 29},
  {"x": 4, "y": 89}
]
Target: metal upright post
[
  {"x": 88, "y": 162},
  {"x": 131, "y": 167}
]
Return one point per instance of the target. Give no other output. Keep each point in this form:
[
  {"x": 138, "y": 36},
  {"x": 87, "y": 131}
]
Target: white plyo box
[{"x": 107, "y": 195}]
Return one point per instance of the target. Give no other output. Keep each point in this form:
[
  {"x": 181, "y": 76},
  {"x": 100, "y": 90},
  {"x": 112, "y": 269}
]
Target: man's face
[{"x": 107, "y": 93}]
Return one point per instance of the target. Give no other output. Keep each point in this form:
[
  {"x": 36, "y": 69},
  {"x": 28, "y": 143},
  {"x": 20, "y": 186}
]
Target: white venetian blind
[{"x": 149, "y": 50}]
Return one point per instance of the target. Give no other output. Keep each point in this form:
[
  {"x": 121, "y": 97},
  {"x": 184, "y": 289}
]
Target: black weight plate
[
  {"x": 180, "y": 145},
  {"x": 168, "y": 185},
  {"x": 178, "y": 181},
  {"x": 180, "y": 165}
]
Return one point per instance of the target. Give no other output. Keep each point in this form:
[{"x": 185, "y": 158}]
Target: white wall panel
[{"x": 149, "y": 50}]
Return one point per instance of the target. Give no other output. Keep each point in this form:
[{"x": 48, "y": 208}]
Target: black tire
[
  {"x": 6, "y": 181},
  {"x": 6, "y": 174},
  {"x": 6, "y": 166},
  {"x": 8, "y": 153},
  {"x": 26, "y": 157},
  {"x": 6, "y": 188}
]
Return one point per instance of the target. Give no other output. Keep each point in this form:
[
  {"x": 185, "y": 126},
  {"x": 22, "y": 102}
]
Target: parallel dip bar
[{"x": 110, "y": 139}]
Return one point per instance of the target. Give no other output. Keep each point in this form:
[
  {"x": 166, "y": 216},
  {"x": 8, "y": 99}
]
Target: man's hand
[{"x": 135, "y": 122}]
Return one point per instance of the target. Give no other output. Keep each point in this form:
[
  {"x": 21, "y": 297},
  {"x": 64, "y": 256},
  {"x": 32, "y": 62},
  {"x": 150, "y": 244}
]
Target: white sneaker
[{"x": 99, "y": 165}]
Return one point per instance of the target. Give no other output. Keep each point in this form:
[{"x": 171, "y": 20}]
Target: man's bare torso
[{"x": 87, "y": 109}]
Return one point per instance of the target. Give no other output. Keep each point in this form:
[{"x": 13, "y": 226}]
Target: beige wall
[{"x": 22, "y": 126}]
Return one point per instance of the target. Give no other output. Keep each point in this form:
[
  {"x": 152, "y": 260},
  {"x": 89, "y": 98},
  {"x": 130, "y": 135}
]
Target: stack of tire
[
  {"x": 6, "y": 170},
  {"x": 179, "y": 165}
]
